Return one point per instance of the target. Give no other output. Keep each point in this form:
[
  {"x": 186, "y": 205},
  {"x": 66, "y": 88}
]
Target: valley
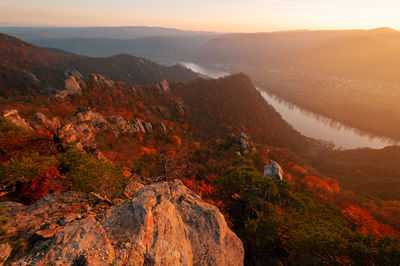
[{"x": 306, "y": 122}]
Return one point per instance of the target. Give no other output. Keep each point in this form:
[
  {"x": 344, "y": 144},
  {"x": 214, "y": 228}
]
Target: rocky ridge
[
  {"x": 83, "y": 127},
  {"x": 160, "y": 224}
]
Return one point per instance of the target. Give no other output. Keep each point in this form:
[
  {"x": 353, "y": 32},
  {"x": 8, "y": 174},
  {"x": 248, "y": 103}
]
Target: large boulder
[
  {"x": 121, "y": 125},
  {"x": 84, "y": 241},
  {"x": 72, "y": 87},
  {"x": 5, "y": 251},
  {"x": 96, "y": 119},
  {"x": 80, "y": 133},
  {"x": 274, "y": 171},
  {"x": 133, "y": 187},
  {"x": 167, "y": 224},
  {"x": 13, "y": 116},
  {"x": 245, "y": 143},
  {"x": 50, "y": 212},
  {"x": 50, "y": 124},
  {"x": 161, "y": 224}
]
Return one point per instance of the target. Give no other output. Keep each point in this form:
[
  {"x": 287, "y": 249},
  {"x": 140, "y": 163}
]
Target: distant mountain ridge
[
  {"x": 127, "y": 32},
  {"x": 338, "y": 52},
  {"x": 27, "y": 68},
  {"x": 167, "y": 49}
]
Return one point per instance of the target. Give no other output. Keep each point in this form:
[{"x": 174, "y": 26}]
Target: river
[{"x": 308, "y": 123}]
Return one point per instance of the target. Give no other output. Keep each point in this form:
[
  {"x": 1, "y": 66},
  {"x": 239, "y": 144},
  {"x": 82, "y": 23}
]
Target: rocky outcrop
[
  {"x": 79, "y": 133},
  {"x": 13, "y": 116},
  {"x": 72, "y": 87},
  {"x": 82, "y": 128},
  {"x": 50, "y": 124},
  {"x": 274, "y": 171},
  {"x": 96, "y": 119},
  {"x": 245, "y": 143},
  {"x": 82, "y": 241},
  {"x": 5, "y": 251},
  {"x": 163, "y": 85},
  {"x": 51, "y": 212},
  {"x": 160, "y": 224},
  {"x": 167, "y": 224},
  {"x": 121, "y": 125},
  {"x": 180, "y": 107},
  {"x": 159, "y": 127},
  {"x": 102, "y": 80},
  {"x": 133, "y": 187}
]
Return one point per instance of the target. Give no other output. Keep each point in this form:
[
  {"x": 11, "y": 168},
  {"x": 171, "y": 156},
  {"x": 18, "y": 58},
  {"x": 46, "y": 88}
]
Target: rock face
[
  {"x": 167, "y": 224},
  {"x": 71, "y": 87},
  {"x": 274, "y": 171},
  {"x": 159, "y": 127},
  {"x": 5, "y": 251},
  {"x": 80, "y": 133},
  {"x": 164, "y": 85},
  {"x": 102, "y": 80},
  {"x": 245, "y": 143},
  {"x": 131, "y": 189},
  {"x": 83, "y": 127},
  {"x": 13, "y": 116},
  {"x": 51, "y": 124},
  {"x": 83, "y": 240},
  {"x": 161, "y": 224}
]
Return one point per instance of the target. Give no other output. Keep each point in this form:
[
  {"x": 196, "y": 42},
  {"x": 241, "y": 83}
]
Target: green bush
[
  {"x": 25, "y": 168},
  {"x": 91, "y": 175},
  {"x": 8, "y": 129},
  {"x": 291, "y": 224}
]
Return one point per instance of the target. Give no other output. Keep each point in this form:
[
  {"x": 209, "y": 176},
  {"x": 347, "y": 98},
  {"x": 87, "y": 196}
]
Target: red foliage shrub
[
  {"x": 49, "y": 181},
  {"x": 175, "y": 139},
  {"x": 362, "y": 221},
  {"x": 146, "y": 151},
  {"x": 297, "y": 169}
]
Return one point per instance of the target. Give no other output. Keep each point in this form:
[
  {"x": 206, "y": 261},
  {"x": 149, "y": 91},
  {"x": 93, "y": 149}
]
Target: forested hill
[{"x": 26, "y": 68}]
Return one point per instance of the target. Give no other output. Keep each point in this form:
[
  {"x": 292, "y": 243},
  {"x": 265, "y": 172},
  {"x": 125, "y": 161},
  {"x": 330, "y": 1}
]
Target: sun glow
[{"x": 229, "y": 16}]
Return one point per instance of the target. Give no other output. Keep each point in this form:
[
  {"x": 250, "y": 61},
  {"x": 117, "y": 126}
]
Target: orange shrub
[
  {"x": 175, "y": 139},
  {"x": 146, "y": 151}
]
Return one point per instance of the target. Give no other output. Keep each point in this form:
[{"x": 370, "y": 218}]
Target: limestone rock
[
  {"x": 82, "y": 240},
  {"x": 46, "y": 212},
  {"x": 71, "y": 87},
  {"x": 80, "y": 133},
  {"x": 5, "y": 251},
  {"x": 161, "y": 224},
  {"x": 13, "y": 116},
  {"x": 121, "y": 125},
  {"x": 164, "y": 85},
  {"x": 91, "y": 117},
  {"x": 51, "y": 124},
  {"x": 167, "y": 224},
  {"x": 133, "y": 187},
  {"x": 138, "y": 125},
  {"x": 102, "y": 80},
  {"x": 180, "y": 107},
  {"x": 159, "y": 127},
  {"x": 245, "y": 144},
  {"x": 274, "y": 171},
  {"x": 147, "y": 127}
]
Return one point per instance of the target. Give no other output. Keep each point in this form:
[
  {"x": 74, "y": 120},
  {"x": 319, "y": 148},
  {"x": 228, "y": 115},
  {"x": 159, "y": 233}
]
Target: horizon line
[{"x": 11, "y": 25}]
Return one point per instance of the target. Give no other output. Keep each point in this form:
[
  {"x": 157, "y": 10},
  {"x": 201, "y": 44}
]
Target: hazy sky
[{"x": 213, "y": 15}]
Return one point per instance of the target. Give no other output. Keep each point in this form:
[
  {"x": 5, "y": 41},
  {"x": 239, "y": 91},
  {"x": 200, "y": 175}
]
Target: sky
[{"x": 207, "y": 15}]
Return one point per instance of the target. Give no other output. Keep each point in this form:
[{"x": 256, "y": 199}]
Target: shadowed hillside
[{"x": 44, "y": 70}]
